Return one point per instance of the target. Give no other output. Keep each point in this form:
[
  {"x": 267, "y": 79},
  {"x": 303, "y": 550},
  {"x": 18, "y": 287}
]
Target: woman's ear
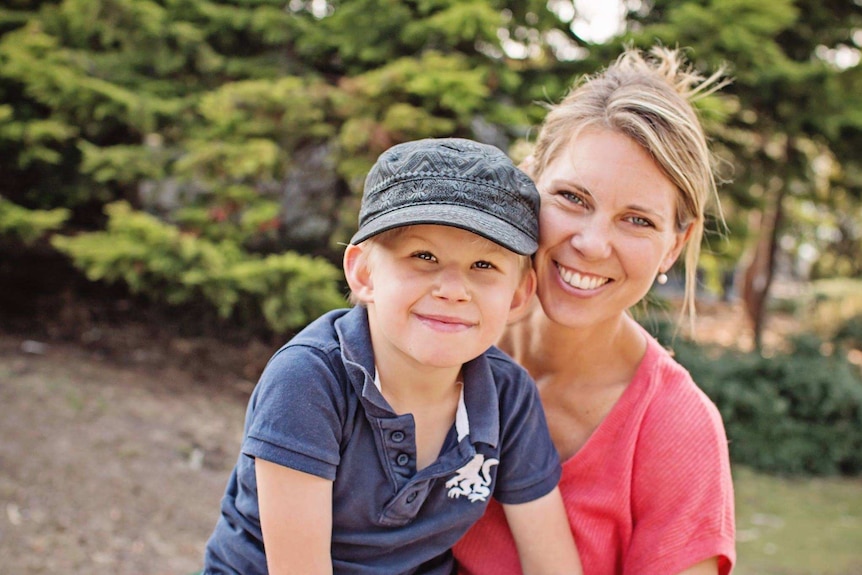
[
  {"x": 680, "y": 239},
  {"x": 358, "y": 273},
  {"x": 523, "y": 295}
]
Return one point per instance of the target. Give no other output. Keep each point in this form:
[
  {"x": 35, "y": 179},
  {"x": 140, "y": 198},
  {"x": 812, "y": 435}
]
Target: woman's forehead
[{"x": 603, "y": 161}]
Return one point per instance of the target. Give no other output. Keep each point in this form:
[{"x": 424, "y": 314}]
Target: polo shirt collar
[
  {"x": 462, "y": 421},
  {"x": 357, "y": 355},
  {"x": 481, "y": 401}
]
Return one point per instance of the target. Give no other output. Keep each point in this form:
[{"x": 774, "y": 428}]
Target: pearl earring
[{"x": 661, "y": 278}]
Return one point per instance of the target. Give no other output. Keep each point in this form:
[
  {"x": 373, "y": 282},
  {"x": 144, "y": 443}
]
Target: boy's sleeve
[
  {"x": 296, "y": 411},
  {"x": 529, "y": 465}
]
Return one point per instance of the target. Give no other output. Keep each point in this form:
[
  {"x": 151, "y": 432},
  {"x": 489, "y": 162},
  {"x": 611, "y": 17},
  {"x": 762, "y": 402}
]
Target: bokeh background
[{"x": 177, "y": 178}]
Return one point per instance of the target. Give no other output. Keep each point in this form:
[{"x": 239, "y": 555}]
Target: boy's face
[{"x": 437, "y": 296}]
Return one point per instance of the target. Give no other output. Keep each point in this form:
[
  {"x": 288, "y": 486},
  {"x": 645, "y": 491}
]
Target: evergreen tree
[
  {"x": 790, "y": 129},
  {"x": 251, "y": 123}
]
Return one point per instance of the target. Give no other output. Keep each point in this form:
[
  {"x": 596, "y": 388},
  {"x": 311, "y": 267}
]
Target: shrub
[
  {"x": 29, "y": 225},
  {"x": 794, "y": 413},
  {"x": 289, "y": 289},
  {"x": 165, "y": 264},
  {"x": 850, "y": 332}
]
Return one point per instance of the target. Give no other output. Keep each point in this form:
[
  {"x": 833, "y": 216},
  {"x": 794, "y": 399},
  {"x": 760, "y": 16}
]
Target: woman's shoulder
[
  {"x": 662, "y": 368},
  {"x": 661, "y": 358},
  {"x": 672, "y": 390}
]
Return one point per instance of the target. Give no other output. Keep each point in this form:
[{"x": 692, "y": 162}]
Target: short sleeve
[
  {"x": 682, "y": 491},
  {"x": 529, "y": 464},
  {"x": 296, "y": 413}
]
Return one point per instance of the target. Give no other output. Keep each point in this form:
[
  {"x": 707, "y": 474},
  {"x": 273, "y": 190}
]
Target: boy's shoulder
[
  {"x": 328, "y": 330},
  {"x": 337, "y": 337},
  {"x": 501, "y": 360}
]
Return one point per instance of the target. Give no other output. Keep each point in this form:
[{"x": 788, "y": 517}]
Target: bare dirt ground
[
  {"x": 109, "y": 467},
  {"x": 117, "y": 443}
]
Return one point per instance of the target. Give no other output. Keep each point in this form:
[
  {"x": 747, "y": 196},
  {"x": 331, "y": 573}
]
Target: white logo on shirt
[{"x": 473, "y": 479}]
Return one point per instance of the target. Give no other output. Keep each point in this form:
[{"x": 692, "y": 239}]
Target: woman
[{"x": 624, "y": 173}]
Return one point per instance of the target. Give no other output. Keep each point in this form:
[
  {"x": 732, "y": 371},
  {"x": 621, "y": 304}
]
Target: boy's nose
[{"x": 451, "y": 285}]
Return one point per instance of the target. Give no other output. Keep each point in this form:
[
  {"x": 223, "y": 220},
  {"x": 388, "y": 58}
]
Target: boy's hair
[{"x": 451, "y": 182}]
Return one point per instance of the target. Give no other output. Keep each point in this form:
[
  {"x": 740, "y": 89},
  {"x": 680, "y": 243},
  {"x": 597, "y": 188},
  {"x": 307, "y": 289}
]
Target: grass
[
  {"x": 803, "y": 526},
  {"x": 810, "y": 526}
]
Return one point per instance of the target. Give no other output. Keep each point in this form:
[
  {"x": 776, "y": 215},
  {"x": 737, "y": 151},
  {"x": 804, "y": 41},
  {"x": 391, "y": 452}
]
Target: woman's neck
[
  {"x": 581, "y": 372},
  {"x": 597, "y": 353}
]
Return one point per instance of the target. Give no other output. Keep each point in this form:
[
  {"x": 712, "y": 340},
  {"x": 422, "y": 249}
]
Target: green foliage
[
  {"x": 153, "y": 258},
  {"x": 121, "y": 164},
  {"x": 456, "y": 23},
  {"x": 287, "y": 109},
  {"x": 202, "y": 111},
  {"x": 163, "y": 263},
  {"x": 827, "y": 304},
  {"x": 850, "y": 332},
  {"x": 206, "y": 111},
  {"x": 791, "y": 138},
  {"x": 28, "y": 225},
  {"x": 798, "y": 412},
  {"x": 289, "y": 289},
  {"x": 239, "y": 216},
  {"x": 38, "y": 138}
]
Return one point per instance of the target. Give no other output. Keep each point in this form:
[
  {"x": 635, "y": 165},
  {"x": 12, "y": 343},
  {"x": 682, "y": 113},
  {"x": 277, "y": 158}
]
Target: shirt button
[
  {"x": 397, "y": 436},
  {"x": 402, "y": 459},
  {"x": 411, "y": 497}
]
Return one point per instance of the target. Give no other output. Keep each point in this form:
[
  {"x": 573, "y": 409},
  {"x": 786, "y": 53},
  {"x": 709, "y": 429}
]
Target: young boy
[{"x": 376, "y": 435}]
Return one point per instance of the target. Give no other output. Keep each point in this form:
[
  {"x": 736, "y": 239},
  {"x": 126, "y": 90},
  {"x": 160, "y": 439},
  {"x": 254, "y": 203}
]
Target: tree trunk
[{"x": 757, "y": 276}]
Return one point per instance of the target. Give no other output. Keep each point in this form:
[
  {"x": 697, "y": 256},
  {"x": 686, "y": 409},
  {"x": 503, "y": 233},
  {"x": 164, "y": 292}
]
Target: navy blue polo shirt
[{"x": 317, "y": 409}]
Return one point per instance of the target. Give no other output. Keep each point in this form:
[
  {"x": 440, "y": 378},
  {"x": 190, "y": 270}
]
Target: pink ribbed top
[{"x": 650, "y": 493}]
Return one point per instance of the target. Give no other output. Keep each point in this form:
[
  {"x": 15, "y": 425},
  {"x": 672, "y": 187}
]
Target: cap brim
[{"x": 490, "y": 227}]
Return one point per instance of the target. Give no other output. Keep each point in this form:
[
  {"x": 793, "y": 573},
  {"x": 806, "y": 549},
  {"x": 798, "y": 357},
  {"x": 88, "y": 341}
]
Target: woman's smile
[{"x": 580, "y": 280}]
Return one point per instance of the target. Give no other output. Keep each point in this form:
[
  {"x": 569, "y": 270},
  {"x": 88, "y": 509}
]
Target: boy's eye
[
  {"x": 483, "y": 265},
  {"x": 427, "y": 256}
]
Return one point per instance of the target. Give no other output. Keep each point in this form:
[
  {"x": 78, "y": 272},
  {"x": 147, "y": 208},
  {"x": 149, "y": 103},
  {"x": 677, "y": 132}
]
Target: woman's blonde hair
[{"x": 647, "y": 97}]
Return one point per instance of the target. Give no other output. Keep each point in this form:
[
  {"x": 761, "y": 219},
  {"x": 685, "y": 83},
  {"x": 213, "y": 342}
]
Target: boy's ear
[
  {"x": 358, "y": 273},
  {"x": 527, "y": 165},
  {"x": 523, "y": 295}
]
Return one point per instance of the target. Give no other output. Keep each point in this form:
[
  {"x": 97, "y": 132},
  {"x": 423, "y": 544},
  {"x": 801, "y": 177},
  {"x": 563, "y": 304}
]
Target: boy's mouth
[{"x": 445, "y": 322}]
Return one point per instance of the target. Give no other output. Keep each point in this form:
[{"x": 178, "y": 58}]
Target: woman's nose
[
  {"x": 451, "y": 284},
  {"x": 592, "y": 238}
]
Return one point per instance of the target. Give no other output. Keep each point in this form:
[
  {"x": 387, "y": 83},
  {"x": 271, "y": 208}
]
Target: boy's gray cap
[{"x": 451, "y": 182}]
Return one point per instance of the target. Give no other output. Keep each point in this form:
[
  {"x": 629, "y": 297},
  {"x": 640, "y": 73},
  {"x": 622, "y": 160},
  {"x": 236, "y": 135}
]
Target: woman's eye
[
  {"x": 483, "y": 265},
  {"x": 641, "y": 222}
]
